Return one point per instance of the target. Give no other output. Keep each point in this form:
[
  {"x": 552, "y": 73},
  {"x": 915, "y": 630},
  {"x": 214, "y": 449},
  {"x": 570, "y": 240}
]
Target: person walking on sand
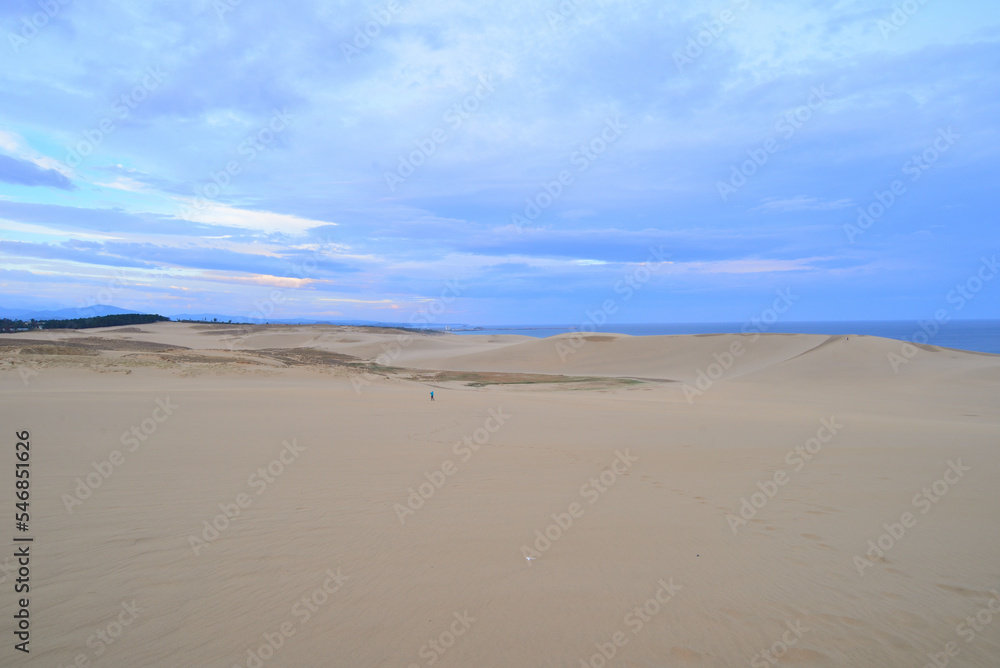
[{"x": 432, "y": 395}]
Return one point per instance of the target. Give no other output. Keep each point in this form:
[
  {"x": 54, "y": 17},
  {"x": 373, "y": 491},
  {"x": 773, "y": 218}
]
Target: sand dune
[{"x": 688, "y": 515}]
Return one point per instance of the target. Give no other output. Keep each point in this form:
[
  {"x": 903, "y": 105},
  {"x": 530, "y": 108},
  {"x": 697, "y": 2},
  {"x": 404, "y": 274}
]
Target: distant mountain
[{"x": 62, "y": 314}]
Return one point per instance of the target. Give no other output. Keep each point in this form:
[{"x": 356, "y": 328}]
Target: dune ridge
[{"x": 293, "y": 492}]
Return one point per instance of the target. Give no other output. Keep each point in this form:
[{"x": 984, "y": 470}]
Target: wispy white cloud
[{"x": 214, "y": 213}]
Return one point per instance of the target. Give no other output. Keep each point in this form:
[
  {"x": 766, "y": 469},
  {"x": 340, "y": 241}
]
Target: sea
[{"x": 977, "y": 335}]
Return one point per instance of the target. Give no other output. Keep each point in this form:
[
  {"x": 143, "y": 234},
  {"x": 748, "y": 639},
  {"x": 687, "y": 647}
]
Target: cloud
[
  {"x": 295, "y": 269},
  {"x": 218, "y": 214},
  {"x": 284, "y": 282},
  {"x": 315, "y": 192},
  {"x": 618, "y": 245},
  {"x": 26, "y": 173},
  {"x": 744, "y": 266},
  {"x": 108, "y": 220},
  {"x": 24, "y": 250}
]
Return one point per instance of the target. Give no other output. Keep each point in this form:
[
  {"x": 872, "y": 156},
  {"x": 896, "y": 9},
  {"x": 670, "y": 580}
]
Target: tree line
[{"x": 15, "y": 325}]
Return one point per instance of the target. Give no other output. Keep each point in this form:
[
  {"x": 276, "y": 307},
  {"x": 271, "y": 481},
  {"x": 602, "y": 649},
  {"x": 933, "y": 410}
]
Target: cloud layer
[{"x": 356, "y": 157}]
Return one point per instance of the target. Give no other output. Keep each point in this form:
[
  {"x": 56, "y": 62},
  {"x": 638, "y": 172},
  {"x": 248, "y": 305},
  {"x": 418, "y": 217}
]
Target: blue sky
[{"x": 360, "y": 160}]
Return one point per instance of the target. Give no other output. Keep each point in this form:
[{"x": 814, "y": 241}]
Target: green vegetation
[{"x": 8, "y": 325}]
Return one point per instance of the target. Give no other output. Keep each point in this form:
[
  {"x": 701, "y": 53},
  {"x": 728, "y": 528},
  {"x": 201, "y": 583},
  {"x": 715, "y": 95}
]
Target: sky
[{"x": 502, "y": 162}]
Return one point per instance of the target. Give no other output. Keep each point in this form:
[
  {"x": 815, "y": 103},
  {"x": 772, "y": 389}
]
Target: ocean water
[{"x": 978, "y": 335}]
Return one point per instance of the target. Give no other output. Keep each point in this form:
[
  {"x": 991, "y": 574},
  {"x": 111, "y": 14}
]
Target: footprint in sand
[
  {"x": 654, "y": 483},
  {"x": 962, "y": 591}
]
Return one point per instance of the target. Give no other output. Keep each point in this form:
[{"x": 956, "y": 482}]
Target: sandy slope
[{"x": 367, "y": 435}]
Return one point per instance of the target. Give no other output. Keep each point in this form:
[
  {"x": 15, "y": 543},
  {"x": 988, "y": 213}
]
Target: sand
[{"x": 681, "y": 505}]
